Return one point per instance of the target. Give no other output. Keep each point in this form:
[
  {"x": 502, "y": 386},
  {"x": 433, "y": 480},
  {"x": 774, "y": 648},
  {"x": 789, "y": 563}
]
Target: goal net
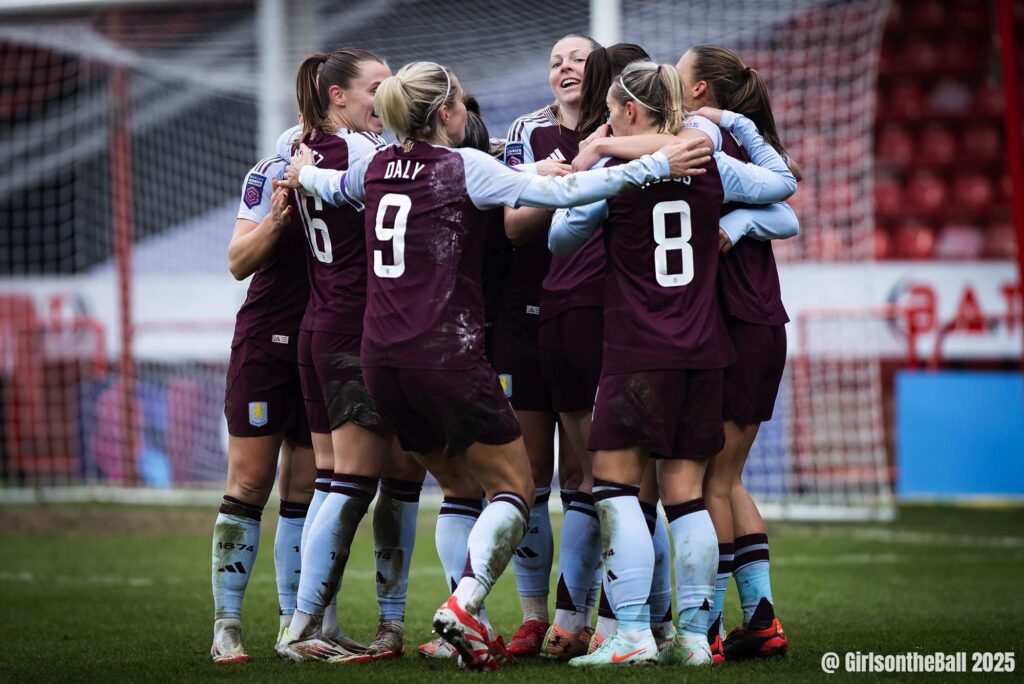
[{"x": 127, "y": 128}]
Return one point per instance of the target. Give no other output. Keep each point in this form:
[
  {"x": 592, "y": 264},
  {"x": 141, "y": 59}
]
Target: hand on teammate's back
[
  {"x": 550, "y": 167},
  {"x": 301, "y": 157},
  {"x": 589, "y": 154},
  {"x": 602, "y": 131},
  {"x": 711, "y": 113},
  {"x": 724, "y": 243},
  {"x": 687, "y": 157}
]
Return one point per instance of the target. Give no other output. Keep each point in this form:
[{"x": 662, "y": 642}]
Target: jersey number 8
[
  {"x": 672, "y": 244},
  {"x": 396, "y": 234}
]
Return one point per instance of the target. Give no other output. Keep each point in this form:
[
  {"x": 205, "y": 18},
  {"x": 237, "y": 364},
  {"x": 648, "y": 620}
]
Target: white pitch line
[
  {"x": 77, "y": 580},
  {"x": 845, "y": 559},
  {"x": 909, "y": 538}
]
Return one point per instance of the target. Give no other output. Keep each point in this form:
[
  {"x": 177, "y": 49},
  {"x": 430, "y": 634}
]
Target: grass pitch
[{"x": 120, "y": 593}]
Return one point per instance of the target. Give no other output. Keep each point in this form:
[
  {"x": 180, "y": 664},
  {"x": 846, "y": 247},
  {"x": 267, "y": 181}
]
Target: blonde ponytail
[
  {"x": 656, "y": 88},
  {"x": 408, "y": 102}
]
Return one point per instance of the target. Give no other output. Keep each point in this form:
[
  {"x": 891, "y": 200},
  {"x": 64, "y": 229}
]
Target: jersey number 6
[
  {"x": 396, "y": 234},
  {"x": 315, "y": 225},
  {"x": 672, "y": 244}
]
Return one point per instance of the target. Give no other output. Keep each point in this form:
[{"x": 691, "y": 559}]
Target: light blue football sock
[
  {"x": 661, "y": 584},
  {"x": 491, "y": 543},
  {"x": 394, "y": 534},
  {"x": 454, "y": 523},
  {"x": 330, "y": 539},
  {"x": 579, "y": 554},
  {"x": 627, "y": 550},
  {"x": 725, "y": 559},
  {"x": 751, "y": 570},
  {"x": 321, "y": 488},
  {"x": 696, "y": 561},
  {"x": 533, "y": 558},
  {"x": 236, "y": 539},
  {"x": 288, "y": 554}
]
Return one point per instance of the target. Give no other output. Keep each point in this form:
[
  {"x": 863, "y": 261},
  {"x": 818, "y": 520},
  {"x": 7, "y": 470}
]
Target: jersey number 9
[
  {"x": 395, "y": 234},
  {"x": 672, "y": 244}
]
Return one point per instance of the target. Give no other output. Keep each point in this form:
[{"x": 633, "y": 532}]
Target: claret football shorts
[
  {"x": 443, "y": 409},
  {"x": 671, "y": 413}
]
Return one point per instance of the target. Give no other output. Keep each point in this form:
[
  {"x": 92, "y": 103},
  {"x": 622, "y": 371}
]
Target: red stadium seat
[
  {"x": 974, "y": 192},
  {"x": 980, "y": 142},
  {"x": 888, "y": 195},
  {"x": 919, "y": 56},
  {"x": 914, "y": 241},
  {"x": 936, "y": 145},
  {"x": 1006, "y": 188},
  {"x": 988, "y": 99},
  {"x": 927, "y": 14},
  {"x": 888, "y": 59},
  {"x": 962, "y": 55},
  {"x": 905, "y": 99},
  {"x": 883, "y": 244},
  {"x": 1000, "y": 242},
  {"x": 958, "y": 241},
  {"x": 926, "y": 192},
  {"x": 969, "y": 14},
  {"x": 950, "y": 96},
  {"x": 895, "y": 145}
]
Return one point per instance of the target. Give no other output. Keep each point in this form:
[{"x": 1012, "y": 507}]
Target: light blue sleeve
[
  {"x": 257, "y": 189},
  {"x": 707, "y": 127},
  {"x": 489, "y": 182},
  {"x": 570, "y": 228},
  {"x": 773, "y": 222},
  {"x": 337, "y": 187},
  {"x": 548, "y": 192},
  {"x": 362, "y": 145},
  {"x": 492, "y": 184},
  {"x": 766, "y": 179},
  {"x": 285, "y": 140}
]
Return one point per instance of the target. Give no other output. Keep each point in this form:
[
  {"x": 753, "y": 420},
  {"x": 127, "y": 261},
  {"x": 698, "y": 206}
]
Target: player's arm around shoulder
[{"x": 523, "y": 224}]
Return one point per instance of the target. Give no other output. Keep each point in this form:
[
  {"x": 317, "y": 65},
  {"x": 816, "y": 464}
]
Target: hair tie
[{"x": 635, "y": 98}]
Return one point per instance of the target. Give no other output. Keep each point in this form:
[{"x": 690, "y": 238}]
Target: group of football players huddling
[{"x": 601, "y": 279}]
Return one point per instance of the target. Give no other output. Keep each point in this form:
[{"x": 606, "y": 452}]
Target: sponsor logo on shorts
[
  {"x": 258, "y": 413},
  {"x": 514, "y": 153},
  {"x": 253, "y": 189},
  {"x": 533, "y": 310},
  {"x": 279, "y": 339},
  {"x": 506, "y": 383}
]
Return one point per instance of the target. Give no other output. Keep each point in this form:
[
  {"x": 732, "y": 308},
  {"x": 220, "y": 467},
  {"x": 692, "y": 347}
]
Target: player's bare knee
[
  {"x": 718, "y": 485},
  {"x": 251, "y": 490},
  {"x": 403, "y": 466},
  {"x": 295, "y": 490}
]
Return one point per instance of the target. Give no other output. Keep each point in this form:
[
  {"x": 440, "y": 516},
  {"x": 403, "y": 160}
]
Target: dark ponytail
[
  {"x": 603, "y": 65},
  {"x": 477, "y": 136},
  {"x": 736, "y": 87},
  {"x": 317, "y": 74}
]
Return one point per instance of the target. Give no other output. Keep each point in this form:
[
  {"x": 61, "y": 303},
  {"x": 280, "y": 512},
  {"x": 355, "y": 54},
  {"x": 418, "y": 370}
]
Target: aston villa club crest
[
  {"x": 254, "y": 189},
  {"x": 506, "y": 384},
  {"x": 258, "y": 413}
]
